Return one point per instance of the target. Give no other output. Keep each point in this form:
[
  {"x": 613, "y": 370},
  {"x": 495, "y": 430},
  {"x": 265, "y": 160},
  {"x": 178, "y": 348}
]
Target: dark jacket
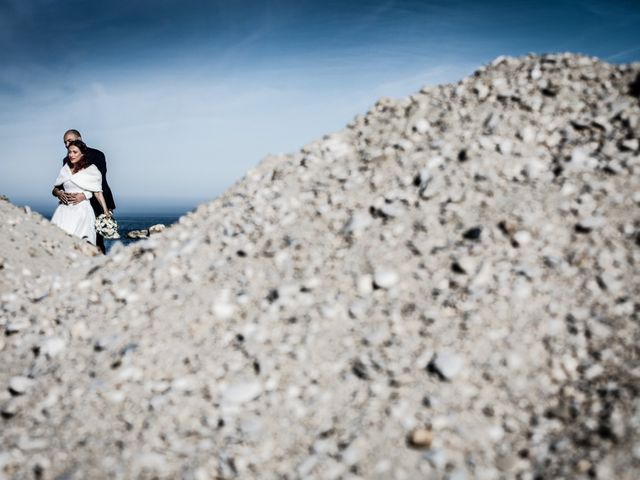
[{"x": 97, "y": 158}]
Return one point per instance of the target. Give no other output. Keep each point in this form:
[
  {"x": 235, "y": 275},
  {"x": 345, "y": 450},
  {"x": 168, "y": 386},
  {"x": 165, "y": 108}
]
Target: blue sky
[{"x": 185, "y": 96}]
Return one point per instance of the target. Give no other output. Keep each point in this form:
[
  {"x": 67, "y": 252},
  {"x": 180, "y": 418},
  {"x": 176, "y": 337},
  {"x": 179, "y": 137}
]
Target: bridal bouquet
[{"x": 107, "y": 226}]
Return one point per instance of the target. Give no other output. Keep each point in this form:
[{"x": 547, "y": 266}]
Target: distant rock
[
  {"x": 146, "y": 232},
  {"x": 138, "y": 234},
  {"x": 156, "y": 228}
]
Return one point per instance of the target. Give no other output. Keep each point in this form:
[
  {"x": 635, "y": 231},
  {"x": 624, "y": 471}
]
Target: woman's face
[{"x": 74, "y": 154}]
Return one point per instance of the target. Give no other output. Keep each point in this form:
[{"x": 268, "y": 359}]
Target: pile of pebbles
[
  {"x": 447, "y": 288},
  {"x": 32, "y": 249}
]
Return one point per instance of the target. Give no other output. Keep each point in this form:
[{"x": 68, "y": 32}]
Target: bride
[{"x": 78, "y": 176}]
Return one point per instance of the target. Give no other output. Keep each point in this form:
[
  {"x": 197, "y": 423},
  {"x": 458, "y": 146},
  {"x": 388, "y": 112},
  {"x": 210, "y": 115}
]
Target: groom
[{"x": 94, "y": 157}]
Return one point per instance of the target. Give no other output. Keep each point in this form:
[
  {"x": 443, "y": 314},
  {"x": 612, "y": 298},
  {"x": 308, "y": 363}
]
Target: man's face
[{"x": 69, "y": 137}]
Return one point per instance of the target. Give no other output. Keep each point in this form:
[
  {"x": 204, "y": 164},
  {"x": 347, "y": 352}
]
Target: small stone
[
  {"x": 495, "y": 433},
  {"x": 580, "y": 159},
  {"x": 505, "y": 462},
  {"x": 385, "y": 278},
  {"x": 383, "y": 467},
  {"x": 185, "y": 384},
  {"x": 130, "y": 374},
  {"x": 472, "y": 233},
  {"x": 357, "y": 309},
  {"x": 27, "y": 444},
  {"x": 465, "y": 265},
  {"x": 435, "y": 162},
  {"x": 522, "y": 237},
  {"x": 17, "y": 325},
  {"x": 584, "y": 466},
  {"x": 307, "y": 466},
  {"x": 528, "y": 134},
  {"x": 593, "y": 371},
  {"x": 534, "y": 168},
  {"x": 535, "y": 73},
  {"x": 241, "y": 392},
  {"x": 11, "y": 408},
  {"x": 358, "y": 223},
  {"x": 505, "y": 146},
  {"x": 437, "y": 457},
  {"x": 630, "y": 144},
  {"x": 521, "y": 289},
  {"x": 104, "y": 342},
  {"x": 365, "y": 284},
  {"x": 568, "y": 189},
  {"x": 446, "y": 364},
  {"x": 54, "y": 346},
  {"x": 421, "y": 438},
  {"x": 588, "y": 224},
  {"x": 223, "y": 310},
  {"x": 352, "y": 455},
  {"x": 481, "y": 90},
  {"x": 391, "y": 210},
  {"x": 501, "y": 86},
  {"x": 150, "y": 462},
  {"x": 20, "y": 385},
  {"x": 422, "y": 126},
  {"x": 422, "y": 181},
  {"x": 115, "y": 396},
  {"x": 636, "y": 451}
]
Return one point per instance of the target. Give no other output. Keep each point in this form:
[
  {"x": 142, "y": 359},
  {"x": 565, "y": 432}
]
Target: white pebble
[
  {"x": 17, "y": 325},
  {"x": 449, "y": 364},
  {"x": 241, "y": 392},
  {"x": 522, "y": 237},
  {"x": 592, "y": 222},
  {"x": 422, "y": 126},
  {"x": 385, "y": 278},
  {"x": 223, "y": 310},
  {"x": 536, "y": 73},
  {"x": 54, "y": 346},
  {"x": 20, "y": 385},
  {"x": 352, "y": 455}
]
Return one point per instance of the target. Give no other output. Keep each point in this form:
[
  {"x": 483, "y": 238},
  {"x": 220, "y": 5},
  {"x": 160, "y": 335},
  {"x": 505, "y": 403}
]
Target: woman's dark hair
[{"x": 84, "y": 163}]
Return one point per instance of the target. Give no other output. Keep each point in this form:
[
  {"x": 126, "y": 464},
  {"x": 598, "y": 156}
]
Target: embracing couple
[{"x": 83, "y": 190}]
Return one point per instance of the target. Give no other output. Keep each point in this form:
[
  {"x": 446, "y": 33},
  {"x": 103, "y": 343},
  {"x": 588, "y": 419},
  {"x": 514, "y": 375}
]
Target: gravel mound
[
  {"x": 445, "y": 289},
  {"x": 31, "y": 248}
]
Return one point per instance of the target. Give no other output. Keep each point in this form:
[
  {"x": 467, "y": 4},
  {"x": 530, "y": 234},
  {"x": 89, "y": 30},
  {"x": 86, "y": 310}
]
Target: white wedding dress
[{"x": 78, "y": 219}]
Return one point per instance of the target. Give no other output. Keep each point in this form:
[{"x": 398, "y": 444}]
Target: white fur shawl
[{"x": 88, "y": 178}]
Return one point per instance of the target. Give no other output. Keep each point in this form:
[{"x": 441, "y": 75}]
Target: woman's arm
[{"x": 102, "y": 203}]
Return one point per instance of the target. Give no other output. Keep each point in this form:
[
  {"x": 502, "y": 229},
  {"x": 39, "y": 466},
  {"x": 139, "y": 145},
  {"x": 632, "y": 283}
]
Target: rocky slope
[
  {"x": 31, "y": 248},
  {"x": 445, "y": 289}
]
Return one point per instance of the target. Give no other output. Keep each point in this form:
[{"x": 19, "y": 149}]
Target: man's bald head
[{"x": 71, "y": 135}]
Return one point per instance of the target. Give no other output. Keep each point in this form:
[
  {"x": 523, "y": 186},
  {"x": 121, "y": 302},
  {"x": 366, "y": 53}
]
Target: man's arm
[
  {"x": 57, "y": 191},
  {"x": 61, "y": 194}
]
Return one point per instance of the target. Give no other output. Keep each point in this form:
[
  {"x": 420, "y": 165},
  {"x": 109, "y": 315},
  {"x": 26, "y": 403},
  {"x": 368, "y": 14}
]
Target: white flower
[{"x": 107, "y": 226}]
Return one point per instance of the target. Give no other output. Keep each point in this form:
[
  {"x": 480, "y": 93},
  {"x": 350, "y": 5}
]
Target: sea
[{"x": 127, "y": 223}]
